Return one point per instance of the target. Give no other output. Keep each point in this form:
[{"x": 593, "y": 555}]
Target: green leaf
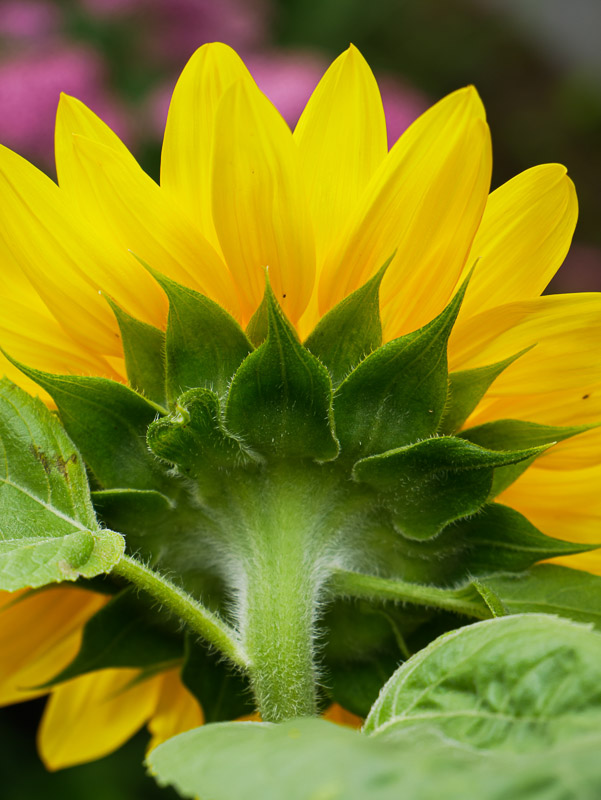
[
  {"x": 311, "y": 759},
  {"x": 144, "y": 350},
  {"x": 396, "y": 396},
  {"x": 124, "y": 633},
  {"x": 48, "y": 530},
  {"x": 204, "y": 344},
  {"x": 510, "y": 434},
  {"x": 500, "y": 539},
  {"x": 351, "y": 330},
  {"x": 551, "y": 589},
  {"x": 518, "y": 683},
  {"x": 108, "y": 422},
  {"x": 223, "y": 693},
  {"x": 193, "y": 437},
  {"x": 427, "y": 485},
  {"x": 468, "y": 387},
  {"x": 280, "y": 401}
]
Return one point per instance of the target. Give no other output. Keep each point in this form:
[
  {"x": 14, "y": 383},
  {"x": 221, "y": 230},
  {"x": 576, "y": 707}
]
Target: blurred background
[{"x": 536, "y": 64}]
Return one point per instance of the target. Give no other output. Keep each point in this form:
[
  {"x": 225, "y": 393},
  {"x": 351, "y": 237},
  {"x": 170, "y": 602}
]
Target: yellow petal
[
  {"x": 523, "y": 238},
  {"x": 188, "y": 142},
  {"x": 92, "y": 715},
  {"x": 561, "y": 503},
  {"x": 580, "y": 405},
  {"x": 260, "y": 208},
  {"x": 565, "y": 328},
  {"x": 425, "y": 201},
  {"x": 140, "y": 217},
  {"x": 341, "y": 138},
  {"x": 65, "y": 260},
  {"x": 40, "y": 634},
  {"x": 73, "y": 116},
  {"x": 177, "y": 710}
]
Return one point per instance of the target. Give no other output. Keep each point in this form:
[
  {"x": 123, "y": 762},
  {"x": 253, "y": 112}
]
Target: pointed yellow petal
[
  {"x": 40, "y": 634},
  {"x": 425, "y": 201},
  {"x": 341, "y": 138},
  {"x": 92, "y": 715},
  {"x": 565, "y": 504},
  {"x": 579, "y": 405},
  {"x": 565, "y": 328},
  {"x": 140, "y": 217},
  {"x": 177, "y": 710},
  {"x": 260, "y": 208},
  {"x": 523, "y": 238},
  {"x": 66, "y": 261},
  {"x": 188, "y": 142},
  {"x": 73, "y": 116}
]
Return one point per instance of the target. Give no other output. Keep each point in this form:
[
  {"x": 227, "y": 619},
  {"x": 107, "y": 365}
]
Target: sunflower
[{"x": 323, "y": 207}]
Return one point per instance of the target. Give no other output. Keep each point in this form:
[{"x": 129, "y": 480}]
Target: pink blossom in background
[
  {"x": 24, "y": 20},
  {"x": 170, "y": 30},
  {"x": 30, "y": 86}
]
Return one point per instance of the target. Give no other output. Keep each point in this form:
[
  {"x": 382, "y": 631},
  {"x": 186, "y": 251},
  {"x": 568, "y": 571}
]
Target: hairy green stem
[
  {"x": 465, "y": 600},
  {"x": 198, "y": 618},
  {"x": 283, "y": 542}
]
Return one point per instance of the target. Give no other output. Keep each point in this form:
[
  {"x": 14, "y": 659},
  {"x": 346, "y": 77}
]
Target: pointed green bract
[
  {"x": 280, "y": 401},
  {"x": 193, "y": 436},
  {"x": 108, "y": 422},
  {"x": 427, "y": 485},
  {"x": 124, "y": 633},
  {"x": 397, "y": 395},
  {"x": 48, "y": 530},
  {"x": 351, "y": 330},
  {"x": 500, "y": 539},
  {"x": 204, "y": 345},
  {"x": 506, "y": 434},
  {"x": 257, "y": 327},
  {"x": 467, "y": 388},
  {"x": 146, "y": 518},
  {"x": 144, "y": 351}
]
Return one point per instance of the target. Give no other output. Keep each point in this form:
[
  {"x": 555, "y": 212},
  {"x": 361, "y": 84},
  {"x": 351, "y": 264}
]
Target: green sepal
[
  {"x": 509, "y": 434},
  {"x": 144, "y": 351},
  {"x": 427, "y": 485},
  {"x": 48, "y": 529},
  {"x": 108, "y": 422},
  {"x": 137, "y": 513},
  {"x": 500, "y": 539},
  {"x": 351, "y": 330},
  {"x": 257, "y": 327},
  {"x": 124, "y": 633},
  {"x": 194, "y": 439},
  {"x": 280, "y": 400},
  {"x": 222, "y": 692},
  {"x": 468, "y": 387},
  {"x": 397, "y": 395},
  {"x": 204, "y": 345}
]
